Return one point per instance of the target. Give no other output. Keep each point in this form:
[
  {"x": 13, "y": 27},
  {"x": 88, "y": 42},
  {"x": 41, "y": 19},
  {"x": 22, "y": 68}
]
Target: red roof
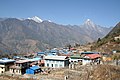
[{"x": 93, "y": 56}]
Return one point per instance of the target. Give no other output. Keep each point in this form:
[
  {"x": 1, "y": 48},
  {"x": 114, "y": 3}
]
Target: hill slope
[{"x": 108, "y": 43}]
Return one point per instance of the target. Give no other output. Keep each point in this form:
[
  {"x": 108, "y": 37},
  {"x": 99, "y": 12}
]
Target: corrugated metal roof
[
  {"x": 28, "y": 60},
  {"x": 35, "y": 59},
  {"x": 56, "y": 57},
  {"x": 93, "y": 56},
  {"x": 90, "y": 53},
  {"x": 77, "y": 56},
  {"x": 40, "y": 52},
  {"x": 53, "y": 51},
  {"x": 6, "y": 60},
  {"x": 34, "y": 67},
  {"x": 22, "y": 61}
]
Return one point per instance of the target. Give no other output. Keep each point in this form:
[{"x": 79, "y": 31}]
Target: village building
[
  {"x": 20, "y": 67},
  {"x": 33, "y": 70},
  {"x": 74, "y": 50},
  {"x": 37, "y": 61},
  {"x": 89, "y": 52},
  {"x": 75, "y": 58},
  {"x": 53, "y": 52},
  {"x": 5, "y": 64},
  {"x": 91, "y": 59},
  {"x": 117, "y": 38},
  {"x": 56, "y": 61},
  {"x": 40, "y": 53}
]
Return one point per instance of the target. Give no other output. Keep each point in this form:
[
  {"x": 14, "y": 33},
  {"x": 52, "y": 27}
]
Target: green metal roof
[{"x": 77, "y": 56}]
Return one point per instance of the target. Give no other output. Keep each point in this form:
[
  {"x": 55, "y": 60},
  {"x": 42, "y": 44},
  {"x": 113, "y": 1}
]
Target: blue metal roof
[
  {"x": 35, "y": 59},
  {"x": 53, "y": 51},
  {"x": 40, "y": 52},
  {"x": 89, "y": 52},
  {"x": 34, "y": 67},
  {"x": 51, "y": 54},
  {"x": 6, "y": 60},
  {"x": 66, "y": 52}
]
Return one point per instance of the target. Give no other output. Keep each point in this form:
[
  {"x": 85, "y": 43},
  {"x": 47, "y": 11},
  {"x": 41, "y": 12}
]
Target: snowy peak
[
  {"x": 36, "y": 19},
  {"x": 49, "y": 21},
  {"x": 89, "y": 23}
]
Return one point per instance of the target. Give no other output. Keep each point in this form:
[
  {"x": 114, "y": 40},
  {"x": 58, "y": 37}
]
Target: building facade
[
  {"x": 56, "y": 61},
  {"x": 5, "y": 64},
  {"x": 20, "y": 67}
]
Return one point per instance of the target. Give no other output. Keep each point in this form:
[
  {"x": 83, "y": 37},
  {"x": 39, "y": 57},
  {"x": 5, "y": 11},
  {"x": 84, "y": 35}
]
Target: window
[
  {"x": 61, "y": 61},
  {"x": 56, "y": 65},
  {"x": 60, "y": 65},
  {"x": 47, "y": 65},
  {"x": 79, "y": 60},
  {"x": 13, "y": 70},
  {"x": 52, "y": 65}
]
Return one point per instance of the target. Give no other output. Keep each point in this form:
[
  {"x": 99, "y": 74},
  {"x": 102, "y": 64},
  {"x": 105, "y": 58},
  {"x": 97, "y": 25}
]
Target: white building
[
  {"x": 86, "y": 61},
  {"x": 5, "y": 64},
  {"x": 56, "y": 61},
  {"x": 117, "y": 38}
]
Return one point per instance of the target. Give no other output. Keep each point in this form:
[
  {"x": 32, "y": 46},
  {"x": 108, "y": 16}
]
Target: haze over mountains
[{"x": 35, "y": 34}]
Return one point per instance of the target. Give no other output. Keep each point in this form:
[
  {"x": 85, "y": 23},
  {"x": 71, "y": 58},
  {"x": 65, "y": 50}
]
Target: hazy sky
[{"x": 75, "y": 12}]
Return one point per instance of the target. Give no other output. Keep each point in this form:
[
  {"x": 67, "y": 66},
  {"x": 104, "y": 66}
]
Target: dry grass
[
  {"x": 94, "y": 72},
  {"x": 106, "y": 72},
  {"x": 5, "y": 77},
  {"x": 97, "y": 72}
]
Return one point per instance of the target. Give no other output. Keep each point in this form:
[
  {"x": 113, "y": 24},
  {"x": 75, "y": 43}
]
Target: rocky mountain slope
[
  {"x": 93, "y": 30},
  {"x": 34, "y": 34},
  {"x": 108, "y": 43}
]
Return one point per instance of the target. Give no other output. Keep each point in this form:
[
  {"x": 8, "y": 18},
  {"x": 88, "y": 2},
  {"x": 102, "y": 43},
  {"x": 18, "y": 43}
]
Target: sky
[{"x": 75, "y": 12}]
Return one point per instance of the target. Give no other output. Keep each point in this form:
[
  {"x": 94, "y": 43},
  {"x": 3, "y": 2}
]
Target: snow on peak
[
  {"x": 88, "y": 22},
  {"x": 49, "y": 21},
  {"x": 21, "y": 19},
  {"x": 36, "y": 19}
]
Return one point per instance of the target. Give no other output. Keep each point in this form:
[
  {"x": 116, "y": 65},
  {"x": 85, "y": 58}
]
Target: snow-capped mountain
[
  {"x": 93, "y": 29},
  {"x": 36, "y": 19},
  {"x": 37, "y": 36},
  {"x": 89, "y": 24}
]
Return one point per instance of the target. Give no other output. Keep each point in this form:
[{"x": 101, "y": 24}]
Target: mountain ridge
[{"x": 25, "y": 36}]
